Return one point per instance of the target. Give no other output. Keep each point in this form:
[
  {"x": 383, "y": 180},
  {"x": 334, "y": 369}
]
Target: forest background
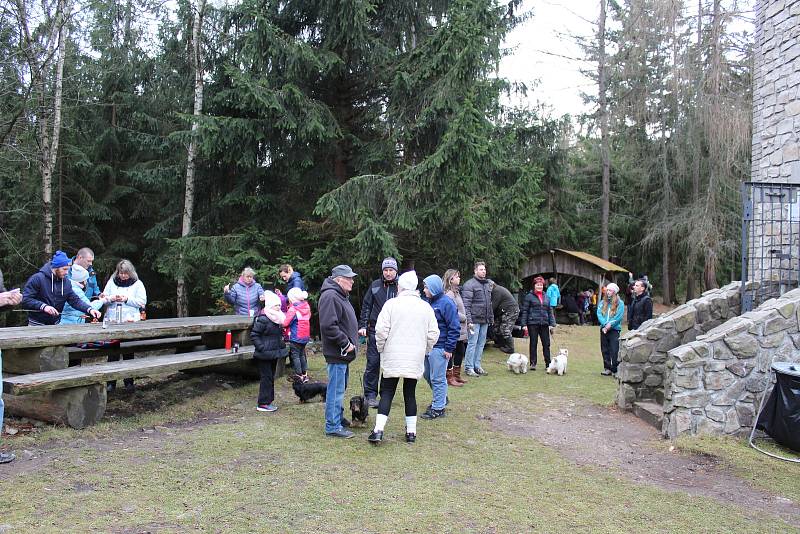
[{"x": 197, "y": 138}]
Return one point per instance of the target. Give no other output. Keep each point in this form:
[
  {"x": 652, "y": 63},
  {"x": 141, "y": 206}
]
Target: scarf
[
  {"x": 124, "y": 283},
  {"x": 276, "y": 316}
]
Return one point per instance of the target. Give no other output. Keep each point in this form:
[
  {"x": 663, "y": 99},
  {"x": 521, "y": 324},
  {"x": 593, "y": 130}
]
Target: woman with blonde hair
[
  {"x": 246, "y": 295},
  {"x": 452, "y": 288},
  {"x": 610, "y": 311}
]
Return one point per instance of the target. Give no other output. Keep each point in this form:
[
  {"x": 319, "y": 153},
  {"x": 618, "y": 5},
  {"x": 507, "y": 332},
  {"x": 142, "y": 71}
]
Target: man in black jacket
[
  {"x": 506, "y": 311},
  {"x": 641, "y": 309},
  {"x": 379, "y": 292},
  {"x": 339, "y": 331},
  {"x": 477, "y": 297},
  {"x": 7, "y": 299}
]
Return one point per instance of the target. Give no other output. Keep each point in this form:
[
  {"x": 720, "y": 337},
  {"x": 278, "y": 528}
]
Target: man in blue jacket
[
  {"x": 291, "y": 277},
  {"x": 47, "y": 291},
  {"x": 449, "y": 330},
  {"x": 85, "y": 258}
]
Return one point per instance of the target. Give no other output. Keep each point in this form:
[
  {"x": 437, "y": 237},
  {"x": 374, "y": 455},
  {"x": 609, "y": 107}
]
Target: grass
[{"x": 247, "y": 471}]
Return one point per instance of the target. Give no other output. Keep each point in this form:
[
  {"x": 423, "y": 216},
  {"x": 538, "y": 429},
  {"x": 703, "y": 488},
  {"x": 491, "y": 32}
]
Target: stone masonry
[
  {"x": 643, "y": 352},
  {"x": 776, "y": 92}
]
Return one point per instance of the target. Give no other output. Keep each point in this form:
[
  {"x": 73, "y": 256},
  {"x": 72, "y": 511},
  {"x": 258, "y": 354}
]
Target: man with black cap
[
  {"x": 379, "y": 292},
  {"x": 46, "y": 291},
  {"x": 339, "y": 331}
]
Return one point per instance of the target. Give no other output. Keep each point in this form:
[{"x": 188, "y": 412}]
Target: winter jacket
[
  {"x": 570, "y": 304},
  {"x": 478, "y": 301},
  {"x": 379, "y": 292},
  {"x": 267, "y": 337},
  {"x": 553, "y": 295},
  {"x": 92, "y": 288},
  {"x": 640, "y": 310},
  {"x": 45, "y": 289},
  {"x": 503, "y": 300},
  {"x": 70, "y": 315},
  {"x": 295, "y": 281},
  {"x": 447, "y": 319},
  {"x": 337, "y": 323},
  {"x": 462, "y": 314},
  {"x": 246, "y": 300},
  {"x": 298, "y": 320},
  {"x": 405, "y": 332},
  {"x": 536, "y": 310},
  {"x": 128, "y": 310},
  {"x": 606, "y": 317}
]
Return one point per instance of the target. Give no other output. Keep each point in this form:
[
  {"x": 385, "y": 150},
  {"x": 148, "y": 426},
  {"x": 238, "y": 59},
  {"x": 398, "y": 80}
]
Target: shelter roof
[
  {"x": 605, "y": 265},
  {"x": 571, "y": 263}
]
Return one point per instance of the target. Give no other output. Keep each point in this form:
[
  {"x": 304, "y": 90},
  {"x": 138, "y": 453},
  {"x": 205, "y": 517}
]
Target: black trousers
[
  {"x": 536, "y": 331},
  {"x": 297, "y": 355},
  {"x": 115, "y": 358},
  {"x": 372, "y": 371},
  {"x": 266, "y": 389},
  {"x": 388, "y": 388},
  {"x": 458, "y": 355},
  {"x": 609, "y": 346}
]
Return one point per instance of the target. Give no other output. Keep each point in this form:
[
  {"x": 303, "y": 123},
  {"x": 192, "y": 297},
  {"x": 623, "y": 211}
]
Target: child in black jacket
[{"x": 267, "y": 337}]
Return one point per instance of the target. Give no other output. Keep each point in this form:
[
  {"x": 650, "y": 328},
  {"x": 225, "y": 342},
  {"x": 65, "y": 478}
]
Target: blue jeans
[
  {"x": 435, "y": 374},
  {"x": 475, "y": 343},
  {"x": 338, "y": 374}
]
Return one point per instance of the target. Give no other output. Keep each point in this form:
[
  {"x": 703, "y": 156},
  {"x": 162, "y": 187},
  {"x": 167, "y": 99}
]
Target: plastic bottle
[{"x": 228, "y": 340}]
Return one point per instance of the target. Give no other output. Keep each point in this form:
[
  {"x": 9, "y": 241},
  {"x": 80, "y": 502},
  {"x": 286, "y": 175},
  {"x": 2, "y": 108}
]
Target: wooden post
[
  {"x": 77, "y": 407},
  {"x": 35, "y": 360}
]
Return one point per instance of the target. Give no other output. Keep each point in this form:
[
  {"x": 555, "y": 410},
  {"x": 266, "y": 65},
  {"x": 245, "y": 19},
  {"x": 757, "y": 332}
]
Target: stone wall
[
  {"x": 776, "y": 92},
  {"x": 714, "y": 384},
  {"x": 643, "y": 352}
]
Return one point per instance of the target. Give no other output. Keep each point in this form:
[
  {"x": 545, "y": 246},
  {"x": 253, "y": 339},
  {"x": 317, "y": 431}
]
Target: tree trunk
[
  {"x": 188, "y": 202},
  {"x": 604, "y": 150}
]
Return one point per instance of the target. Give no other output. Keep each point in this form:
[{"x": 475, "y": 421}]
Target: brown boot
[
  {"x": 450, "y": 380},
  {"x": 457, "y": 375}
]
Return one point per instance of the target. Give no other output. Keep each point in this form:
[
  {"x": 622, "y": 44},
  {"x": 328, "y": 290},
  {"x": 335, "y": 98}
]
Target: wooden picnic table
[{"x": 35, "y": 351}]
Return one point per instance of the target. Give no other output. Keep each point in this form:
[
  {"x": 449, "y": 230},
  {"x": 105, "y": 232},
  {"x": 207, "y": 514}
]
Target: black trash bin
[{"x": 780, "y": 415}]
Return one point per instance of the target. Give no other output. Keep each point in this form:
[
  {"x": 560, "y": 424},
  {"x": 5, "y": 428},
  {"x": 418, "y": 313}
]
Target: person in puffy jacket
[
  {"x": 610, "y": 311},
  {"x": 538, "y": 321},
  {"x": 48, "y": 290},
  {"x": 298, "y": 322},
  {"x": 126, "y": 296},
  {"x": 436, "y": 360},
  {"x": 641, "y": 308},
  {"x": 405, "y": 332},
  {"x": 267, "y": 337},
  {"x": 79, "y": 278},
  {"x": 477, "y": 297},
  {"x": 246, "y": 295}
]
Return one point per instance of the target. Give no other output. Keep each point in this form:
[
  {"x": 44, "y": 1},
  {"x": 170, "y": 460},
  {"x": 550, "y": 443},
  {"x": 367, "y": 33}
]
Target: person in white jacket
[
  {"x": 405, "y": 331},
  {"x": 126, "y": 296}
]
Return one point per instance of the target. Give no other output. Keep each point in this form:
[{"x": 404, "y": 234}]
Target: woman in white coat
[
  {"x": 126, "y": 297},
  {"x": 406, "y": 330}
]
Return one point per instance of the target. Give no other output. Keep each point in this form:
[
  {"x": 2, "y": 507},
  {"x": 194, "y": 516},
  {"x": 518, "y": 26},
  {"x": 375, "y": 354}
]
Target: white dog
[
  {"x": 518, "y": 363},
  {"x": 559, "y": 363}
]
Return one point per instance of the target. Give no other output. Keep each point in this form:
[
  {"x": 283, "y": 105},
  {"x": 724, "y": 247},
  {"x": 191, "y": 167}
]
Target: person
[
  {"x": 291, "y": 277},
  {"x": 380, "y": 291},
  {"x": 553, "y": 293},
  {"x": 593, "y": 305},
  {"x": 85, "y": 258},
  {"x": 245, "y": 295},
  {"x": 506, "y": 310},
  {"x": 126, "y": 296},
  {"x": 610, "y": 312},
  {"x": 448, "y": 329},
  {"x": 538, "y": 321},
  {"x": 477, "y": 296},
  {"x": 7, "y": 300},
  {"x": 79, "y": 278},
  {"x": 452, "y": 281},
  {"x": 267, "y": 337},
  {"x": 582, "y": 300},
  {"x": 641, "y": 308},
  {"x": 339, "y": 332},
  {"x": 46, "y": 293},
  {"x": 405, "y": 331},
  {"x": 571, "y": 306},
  {"x": 298, "y": 322}
]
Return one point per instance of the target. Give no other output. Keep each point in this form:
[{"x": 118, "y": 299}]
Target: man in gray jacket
[{"x": 477, "y": 296}]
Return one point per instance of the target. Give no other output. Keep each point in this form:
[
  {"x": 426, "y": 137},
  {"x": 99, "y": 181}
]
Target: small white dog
[
  {"x": 559, "y": 363},
  {"x": 518, "y": 363}
]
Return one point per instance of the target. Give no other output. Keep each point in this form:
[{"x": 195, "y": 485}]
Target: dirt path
[{"x": 592, "y": 435}]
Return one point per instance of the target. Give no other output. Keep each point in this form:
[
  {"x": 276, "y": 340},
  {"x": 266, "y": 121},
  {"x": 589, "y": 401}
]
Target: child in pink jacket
[{"x": 298, "y": 323}]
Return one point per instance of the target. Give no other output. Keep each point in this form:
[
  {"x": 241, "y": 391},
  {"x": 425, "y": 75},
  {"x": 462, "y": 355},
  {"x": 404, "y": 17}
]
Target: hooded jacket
[
  {"x": 43, "y": 289},
  {"x": 267, "y": 337},
  {"x": 405, "y": 332},
  {"x": 503, "y": 300},
  {"x": 295, "y": 281},
  {"x": 477, "y": 297},
  {"x": 298, "y": 320},
  {"x": 446, "y": 314},
  {"x": 337, "y": 323},
  {"x": 70, "y": 315},
  {"x": 379, "y": 292},
  {"x": 245, "y": 299}
]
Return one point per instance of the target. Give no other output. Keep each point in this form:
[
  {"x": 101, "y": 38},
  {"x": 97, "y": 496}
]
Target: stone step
[{"x": 649, "y": 412}]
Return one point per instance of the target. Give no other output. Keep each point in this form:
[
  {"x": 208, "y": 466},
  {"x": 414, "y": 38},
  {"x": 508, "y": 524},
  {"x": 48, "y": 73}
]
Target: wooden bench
[{"x": 141, "y": 346}]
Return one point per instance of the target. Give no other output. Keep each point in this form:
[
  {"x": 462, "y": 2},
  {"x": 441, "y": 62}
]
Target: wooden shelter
[{"x": 560, "y": 263}]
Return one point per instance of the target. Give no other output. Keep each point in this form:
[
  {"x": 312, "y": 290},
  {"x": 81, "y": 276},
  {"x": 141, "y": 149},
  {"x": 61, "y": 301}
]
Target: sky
[{"x": 546, "y": 56}]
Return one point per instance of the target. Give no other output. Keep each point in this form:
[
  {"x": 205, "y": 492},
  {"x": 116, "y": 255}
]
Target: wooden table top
[{"x": 51, "y": 336}]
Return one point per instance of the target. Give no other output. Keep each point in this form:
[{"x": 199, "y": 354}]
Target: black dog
[
  {"x": 309, "y": 390},
  {"x": 359, "y": 409}
]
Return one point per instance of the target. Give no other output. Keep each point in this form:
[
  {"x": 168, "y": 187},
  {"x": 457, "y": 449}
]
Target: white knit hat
[
  {"x": 296, "y": 294},
  {"x": 78, "y": 274},
  {"x": 408, "y": 281},
  {"x": 613, "y": 287},
  {"x": 271, "y": 299}
]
